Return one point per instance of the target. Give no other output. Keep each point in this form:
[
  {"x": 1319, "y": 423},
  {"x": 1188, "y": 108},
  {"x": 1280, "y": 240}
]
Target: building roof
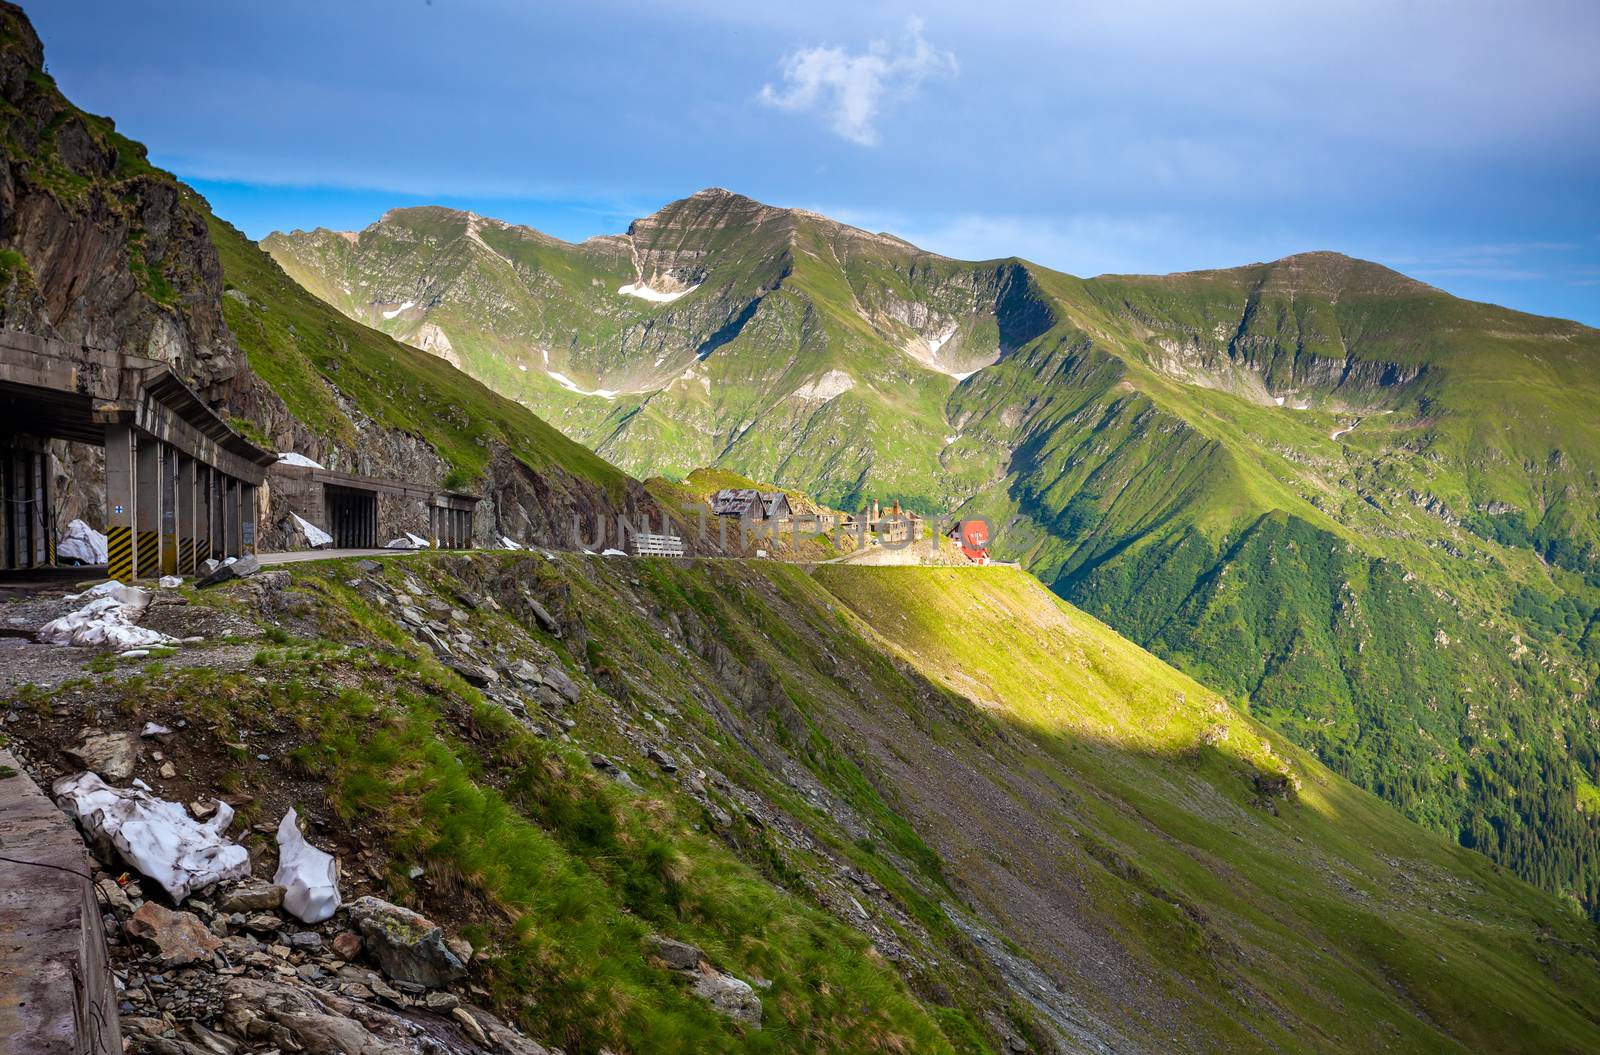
[{"x": 735, "y": 501}]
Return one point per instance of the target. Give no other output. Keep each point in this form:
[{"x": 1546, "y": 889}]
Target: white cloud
[{"x": 850, "y": 89}]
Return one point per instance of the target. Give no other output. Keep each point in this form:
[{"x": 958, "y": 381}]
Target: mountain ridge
[{"x": 1132, "y": 437}]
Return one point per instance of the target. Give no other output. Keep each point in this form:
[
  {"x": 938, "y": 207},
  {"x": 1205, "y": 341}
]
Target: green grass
[{"x": 305, "y": 350}]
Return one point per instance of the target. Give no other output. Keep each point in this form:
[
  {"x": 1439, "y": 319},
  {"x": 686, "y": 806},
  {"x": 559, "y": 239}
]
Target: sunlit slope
[{"x": 1326, "y": 922}]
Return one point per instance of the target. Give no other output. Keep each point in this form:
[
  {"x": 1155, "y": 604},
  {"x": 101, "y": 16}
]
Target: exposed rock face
[{"x": 408, "y": 946}]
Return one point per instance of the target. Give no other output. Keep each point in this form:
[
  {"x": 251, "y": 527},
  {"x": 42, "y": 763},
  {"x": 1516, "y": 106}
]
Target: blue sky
[{"x": 1456, "y": 141}]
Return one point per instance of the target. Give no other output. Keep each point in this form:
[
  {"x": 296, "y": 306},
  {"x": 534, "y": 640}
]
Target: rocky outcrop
[{"x": 407, "y": 945}]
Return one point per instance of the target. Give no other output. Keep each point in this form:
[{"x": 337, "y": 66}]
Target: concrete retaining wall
[{"x": 57, "y": 996}]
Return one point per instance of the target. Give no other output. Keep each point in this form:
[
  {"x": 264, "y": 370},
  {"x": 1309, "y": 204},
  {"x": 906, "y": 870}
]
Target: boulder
[
  {"x": 525, "y": 672},
  {"x": 178, "y": 937},
  {"x": 408, "y": 946},
  {"x": 238, "y": 569},
  {"x": 729, "y": 996},
  {"x": 546, "y": 621},
  {"x": 474, "y": 674},
  {"x": 254, "y": 896},
  {"x": 558, "y": 679},
  {"x": 112, "y": 755},
  {"x": 678, "y": 955}
]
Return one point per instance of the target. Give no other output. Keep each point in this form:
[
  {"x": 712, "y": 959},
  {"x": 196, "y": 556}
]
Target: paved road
[{"x": 294, "y": 556}]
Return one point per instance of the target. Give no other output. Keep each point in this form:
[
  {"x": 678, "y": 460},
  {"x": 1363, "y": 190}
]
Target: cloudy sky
[{"x": 1456, "y": 140}]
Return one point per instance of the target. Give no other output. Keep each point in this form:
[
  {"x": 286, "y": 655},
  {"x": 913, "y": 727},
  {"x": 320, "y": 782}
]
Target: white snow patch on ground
[
  {"x": 83, "y": 543},
  {"x": 1336, "y": 433},
  {"x": 154, "y": 836},
  {"x": 291, "y": 458},
  {"x": 522, "y": 367},
  {"x": 507, "y": 543},
  {"x": 110, "y": 619},
  {"x": 831, "y": 384},
  {"x": 969, "y": 373},
  {"x": 310, "y": 878},
  {"x": 315, "y": 536},
  {"x": 403, "y": 307},
  {"x": 1279, "y": 401},
  {"x": 613, "y": 553},
  {"x": 567, "y": 383},
  {"x": 939, "y": 340},
  {"x": 948, "y": 440},
  {"x": 656, "y": 296}
]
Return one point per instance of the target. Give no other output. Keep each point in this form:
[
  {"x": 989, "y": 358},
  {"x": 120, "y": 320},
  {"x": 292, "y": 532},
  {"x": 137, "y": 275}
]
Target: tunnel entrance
[{"x": 352, "y": 517}]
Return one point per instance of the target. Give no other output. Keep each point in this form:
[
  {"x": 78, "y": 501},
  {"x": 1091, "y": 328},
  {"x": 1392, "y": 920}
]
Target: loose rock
[{"x": 408, "y": 946}]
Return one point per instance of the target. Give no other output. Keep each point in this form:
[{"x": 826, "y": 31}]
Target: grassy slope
[
  {"x": 303, "y": 349},
  {"x": 1362, "y": 927},
  {"x": 988, "y": 756}
]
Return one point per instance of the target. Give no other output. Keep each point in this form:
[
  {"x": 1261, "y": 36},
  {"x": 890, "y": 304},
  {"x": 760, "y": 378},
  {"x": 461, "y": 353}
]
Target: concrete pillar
[
  {"x": 169, "y": 510},
  {"x": 219, "y": 515},
  {"x": 7, "y": 542},
  {"x": 120, "y": 508},
  {"x": 233, "y": 525},
  {"x": 148, "y": 509},
  {"x": 188, "y": 514},
  {"x": 247, "y": 518}
]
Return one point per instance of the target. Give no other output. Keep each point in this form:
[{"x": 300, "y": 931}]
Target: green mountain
[
  {"x": 920, "y": 810},
  {"x": 1363, "y": 506}
]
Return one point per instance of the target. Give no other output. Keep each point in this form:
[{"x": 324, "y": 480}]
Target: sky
[{"x": 1456, "y": 141}]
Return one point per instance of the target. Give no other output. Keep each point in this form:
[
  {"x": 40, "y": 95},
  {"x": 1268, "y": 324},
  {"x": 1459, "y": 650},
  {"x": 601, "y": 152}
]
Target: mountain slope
[
  {"x": 936, "y": 809},
  {"x": 1366, "y": 506},
  {"x": 103, "y": 248}
]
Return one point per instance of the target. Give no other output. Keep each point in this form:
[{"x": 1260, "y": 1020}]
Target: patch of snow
[
  {"x": 940, "y": 340},
  {"x": 417, "y": 541},
  {"x": 154, "y": 729},
  {"x": 399, "y": 543},
  {"x": 82, "y": 543},
  {"x": 521, "y": 367},
  {"x": 110, "y": 586},
  {"x": 567, "y": 383},
  {"x": 661, "y": 360},
  {"x": 316, "y": 538},
  {"x": 1336, "y": 433},
  {"x": 134, "y": 653},
  {"x": 170, "y": 582},
  {"x": 1279, "y": 401},
  {"x": 656, "y": 296},
  {"x": 310, "y": 878},
  {"x": 407, "y": 305},
  {"x": 948, "y": 440},
  {"x": 154, "y": 836},
  {"x": 508, "y": 543},
  {"x": 831, "y": 384},
  {"x": 613, "y": 553},
  {"x": 109, "y": 620},
  {"x": 291, "y": 458},
  {"x": 969, "y": 373}
]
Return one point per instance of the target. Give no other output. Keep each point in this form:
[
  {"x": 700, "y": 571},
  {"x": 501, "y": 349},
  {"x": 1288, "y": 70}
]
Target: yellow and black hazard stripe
[
  {"x": 185, "y": 555},
  {"x": 149, "y": 543},
  {"x": 119, "y": 552}
]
